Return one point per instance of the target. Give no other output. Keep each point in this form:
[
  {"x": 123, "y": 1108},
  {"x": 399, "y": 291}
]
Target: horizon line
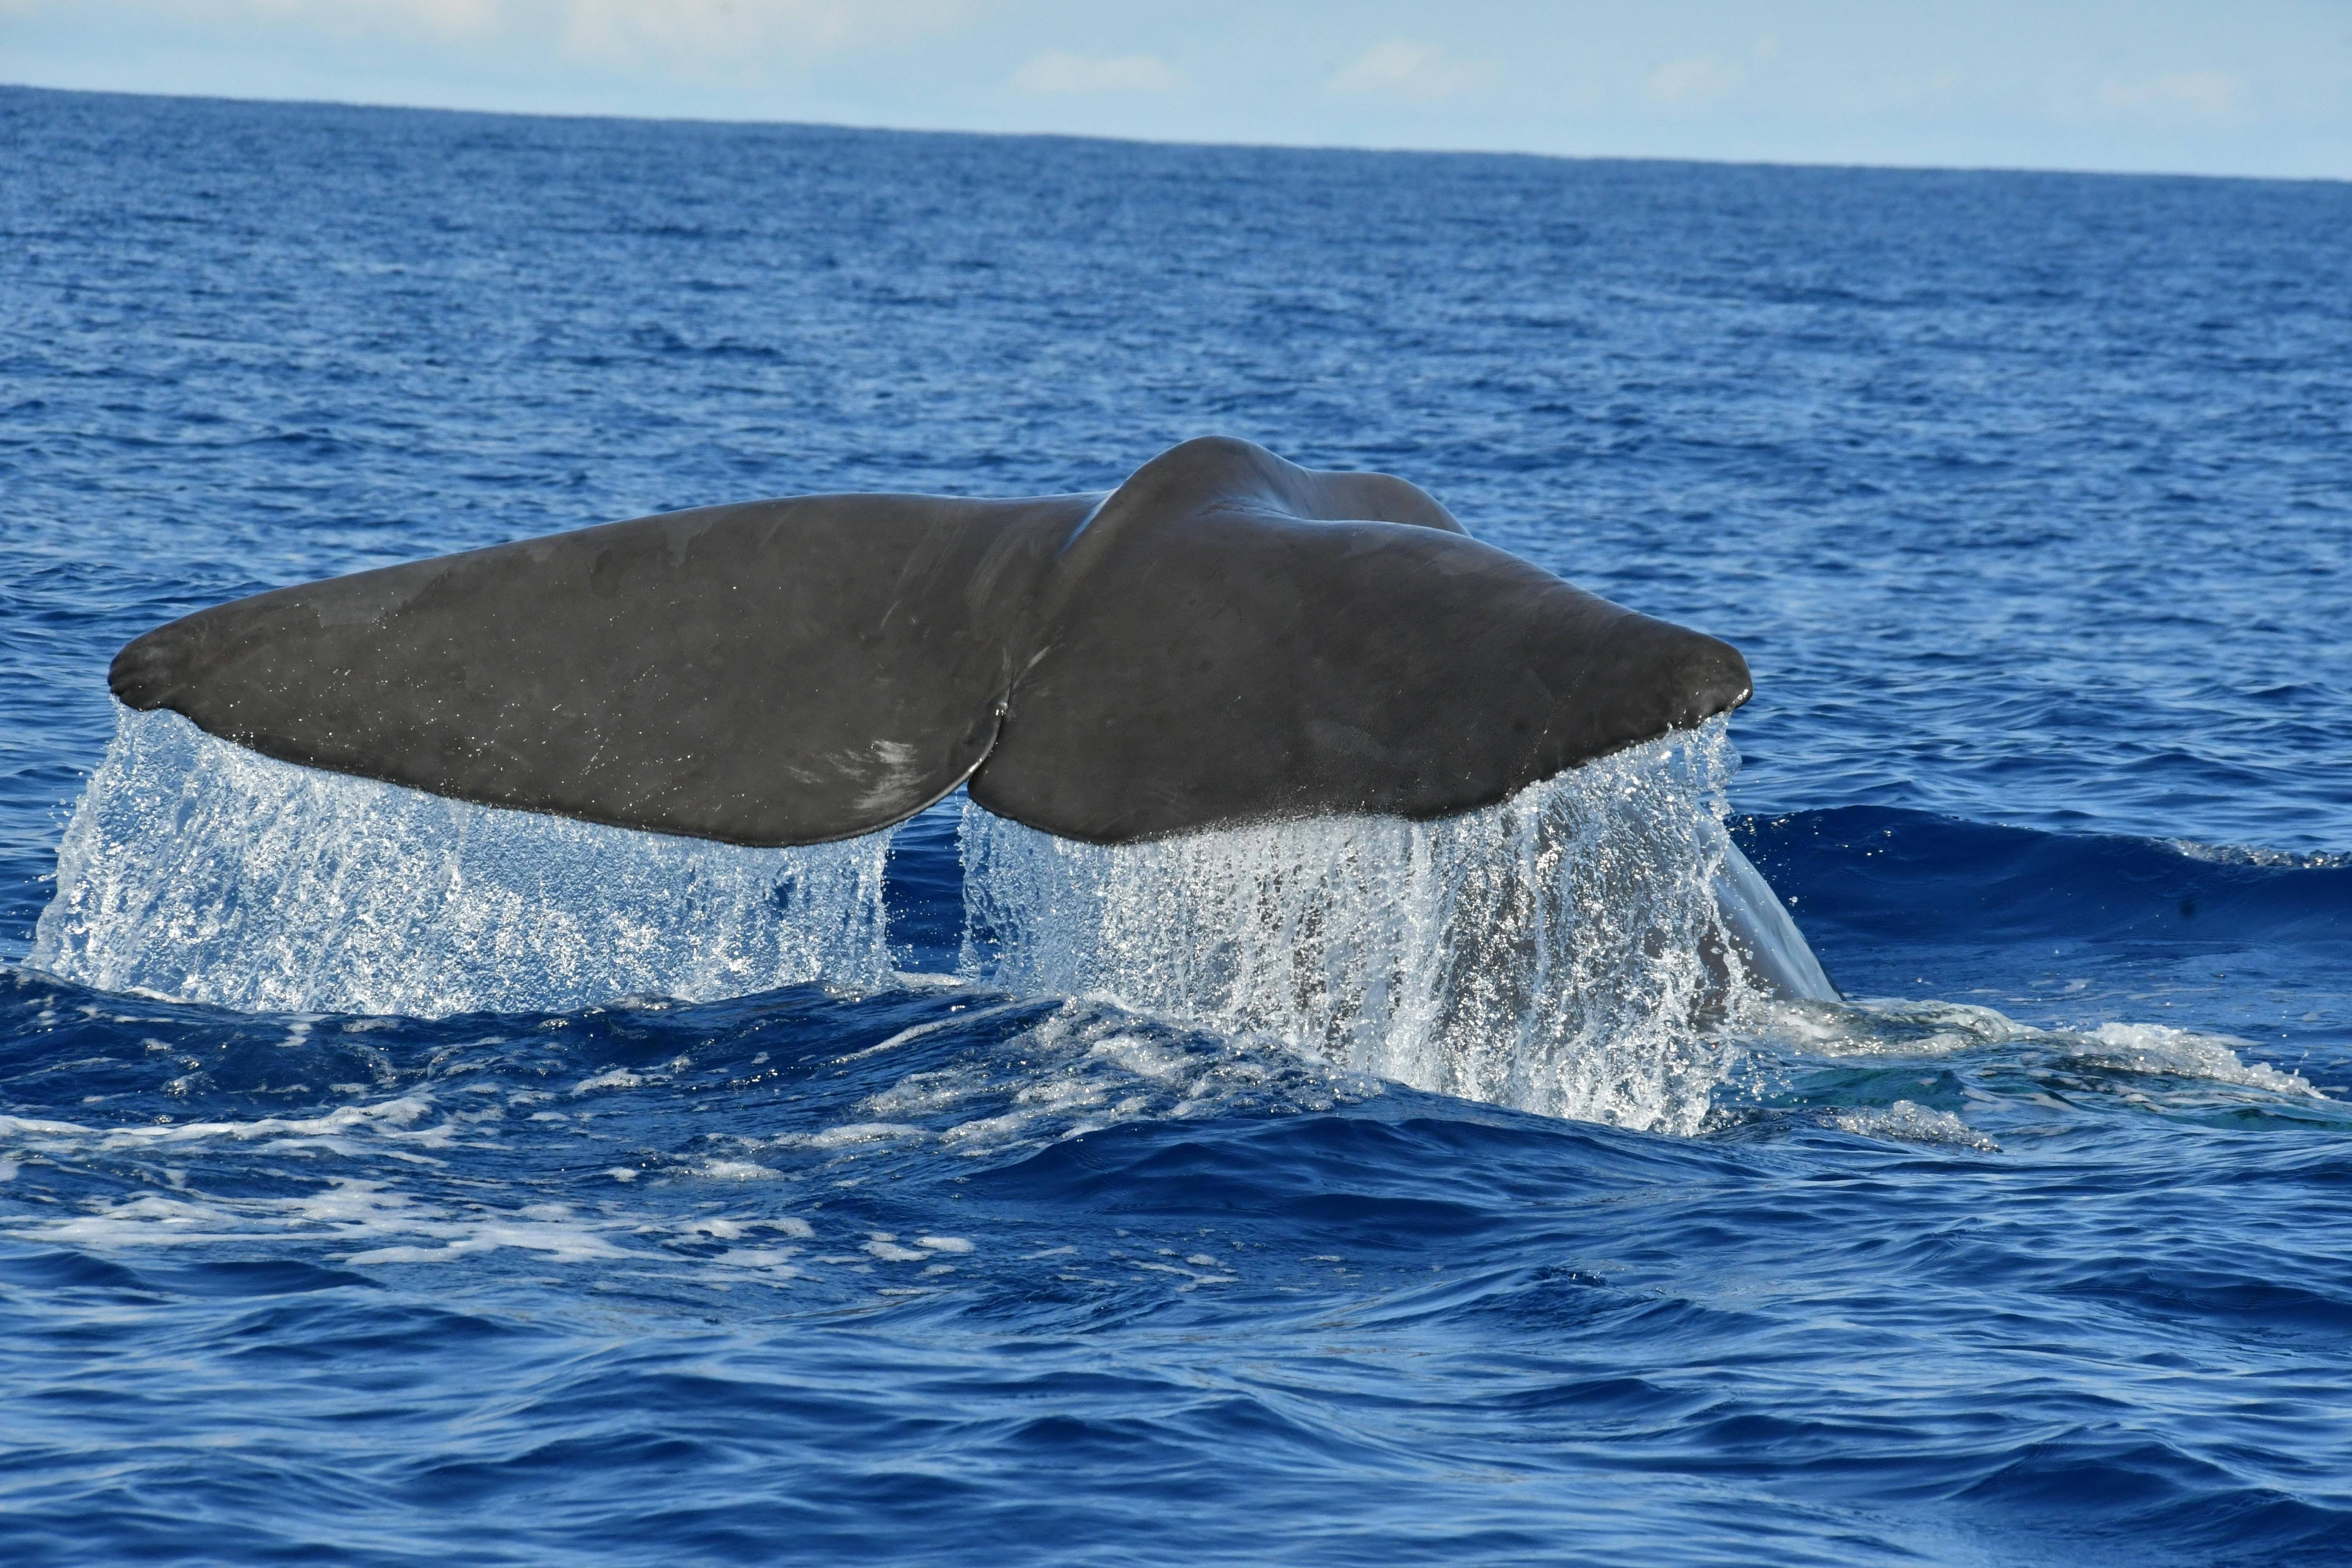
[{"x": 624, "y": 117}]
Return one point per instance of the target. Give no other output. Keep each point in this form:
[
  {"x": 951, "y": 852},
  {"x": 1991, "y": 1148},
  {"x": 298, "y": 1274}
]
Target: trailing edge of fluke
[{"x": 1224, "y": 638}]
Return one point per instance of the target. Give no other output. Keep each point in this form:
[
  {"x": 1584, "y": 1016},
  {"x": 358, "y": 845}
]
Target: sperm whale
[{"x": 1226, "y": 637}]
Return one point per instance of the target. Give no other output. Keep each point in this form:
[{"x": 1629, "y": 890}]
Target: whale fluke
[{"x": 1226, "y": 637}]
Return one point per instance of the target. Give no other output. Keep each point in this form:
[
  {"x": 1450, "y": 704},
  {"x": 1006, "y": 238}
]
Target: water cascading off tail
[
  {"x": 1573, "y": 951},
  {"x": 196, "y": 869},
  {"x": 1576, "y": 949}
]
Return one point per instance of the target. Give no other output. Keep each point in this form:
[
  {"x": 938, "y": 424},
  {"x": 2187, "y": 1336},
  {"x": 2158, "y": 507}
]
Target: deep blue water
[{"x": 2028, "y": 498}]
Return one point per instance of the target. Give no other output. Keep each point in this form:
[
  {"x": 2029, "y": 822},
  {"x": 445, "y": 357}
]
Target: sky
[{"x": 2251, "y": 87}]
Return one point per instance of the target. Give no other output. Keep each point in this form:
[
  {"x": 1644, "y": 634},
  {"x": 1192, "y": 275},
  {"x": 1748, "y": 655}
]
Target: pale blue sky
[{"x": 2259, "y": 87}]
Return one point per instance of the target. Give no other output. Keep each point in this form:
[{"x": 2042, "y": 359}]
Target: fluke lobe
[{"x": 1224, "y": 638}]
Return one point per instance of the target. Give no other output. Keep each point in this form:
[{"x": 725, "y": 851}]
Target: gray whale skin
[{"x": 1224, "y": 638}]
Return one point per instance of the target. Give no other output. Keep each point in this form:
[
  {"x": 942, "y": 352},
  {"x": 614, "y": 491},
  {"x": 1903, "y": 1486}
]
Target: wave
[
  {"x": 1913, "y": 1030},
  {"x": 1882, "y": 874}
]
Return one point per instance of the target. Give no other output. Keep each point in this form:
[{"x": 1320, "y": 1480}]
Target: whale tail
[{"x": 1227, "y": 638}]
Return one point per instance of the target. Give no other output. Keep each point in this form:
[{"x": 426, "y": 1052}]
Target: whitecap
[{"x": 2184, "y": 1053}]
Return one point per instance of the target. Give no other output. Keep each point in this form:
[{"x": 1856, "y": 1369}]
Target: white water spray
[
  {"x": 196, "y": 869},
  {"x": 1575, "y": 950},
  {"x": 1563, "y": 952}
]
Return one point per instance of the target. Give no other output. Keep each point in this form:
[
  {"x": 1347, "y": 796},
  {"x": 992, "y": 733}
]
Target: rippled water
[{"x": 398, "y": 1182}]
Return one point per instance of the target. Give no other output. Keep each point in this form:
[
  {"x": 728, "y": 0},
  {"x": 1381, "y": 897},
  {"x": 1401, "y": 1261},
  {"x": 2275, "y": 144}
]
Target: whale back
[{"x": 1226, "y": 637}]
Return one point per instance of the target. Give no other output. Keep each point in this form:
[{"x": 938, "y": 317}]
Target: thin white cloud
[
  {"x": 1695, "y": 82},
  {"x": 1411, "y": 73},
  {"x": 432, "y": 18},
  {"x": 400, "y": 20},
  {"x": 673, "y": 39},
  {"x": 2210, "y": 95},
  {"x": 1903, "y": 91},
  {"x": 1060, "y": 74},
  {"x": 731, "y": 38}
]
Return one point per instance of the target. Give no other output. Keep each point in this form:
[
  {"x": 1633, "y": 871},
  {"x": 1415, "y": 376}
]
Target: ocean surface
[{"x": 388, "y": 1181}]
